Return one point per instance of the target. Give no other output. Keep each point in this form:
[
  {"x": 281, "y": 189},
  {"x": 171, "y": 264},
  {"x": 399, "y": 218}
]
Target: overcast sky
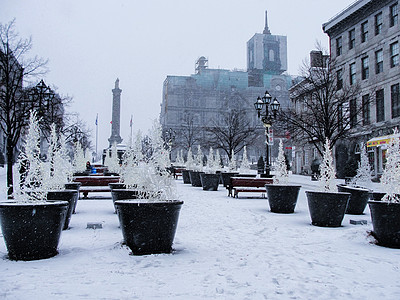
[{"x": 90, "y": 44}]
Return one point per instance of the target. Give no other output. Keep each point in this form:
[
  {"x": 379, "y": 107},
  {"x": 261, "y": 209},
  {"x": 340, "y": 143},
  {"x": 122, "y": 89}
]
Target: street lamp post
[{"x": 266, "y": 110}]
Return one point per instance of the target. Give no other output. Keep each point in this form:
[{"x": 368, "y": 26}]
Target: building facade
[
  {"x": 202, "y": 98},
  {"x": 364, "y": 41},
  {"x": 364, "y": 44}
]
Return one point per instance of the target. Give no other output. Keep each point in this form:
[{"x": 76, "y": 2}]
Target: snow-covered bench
[
  {"x": 93, "y": 184},
  {"x": 249, "y": 185}
]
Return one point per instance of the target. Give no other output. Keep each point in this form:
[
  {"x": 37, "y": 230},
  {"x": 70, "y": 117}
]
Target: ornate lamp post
[{"x": 266, "y": 110}]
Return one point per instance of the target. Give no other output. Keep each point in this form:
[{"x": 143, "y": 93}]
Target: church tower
[
  {"x": 266, "y": 54},
  {"x": 116, "y": 115}
]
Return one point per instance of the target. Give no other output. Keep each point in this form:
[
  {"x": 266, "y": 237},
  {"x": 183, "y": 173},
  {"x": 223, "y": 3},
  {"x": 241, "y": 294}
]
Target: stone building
[
  {"x": 364, "y": 42},
  {"x": 201, "y": 98}
]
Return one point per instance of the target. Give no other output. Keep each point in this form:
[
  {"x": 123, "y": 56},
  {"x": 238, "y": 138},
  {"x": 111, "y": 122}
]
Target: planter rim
[
  {"x": 148, "y": 202},
  {"x": 125, "y": 190},
  {"x": 32, "y": 203},
  {"x": 383, "y": 202},
  {"x": 358, "y": 188},
  {"x": 318, "y": 192},
  {"x": 63, "y": 191},
  {"x": 279, "y": 184}
]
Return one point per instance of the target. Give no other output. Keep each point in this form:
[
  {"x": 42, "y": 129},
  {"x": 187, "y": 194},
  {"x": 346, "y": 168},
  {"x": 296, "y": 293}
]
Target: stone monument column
[{"x": 116, "y": 115}]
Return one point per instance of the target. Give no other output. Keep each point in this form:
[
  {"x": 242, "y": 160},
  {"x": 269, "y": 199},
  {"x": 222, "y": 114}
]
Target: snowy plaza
[{"x": 224, "y": 248}]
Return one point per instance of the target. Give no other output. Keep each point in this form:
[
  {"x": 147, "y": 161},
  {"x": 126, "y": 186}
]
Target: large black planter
[
  {"x": 226, "y": 177},
  {"x": 186, "y": 176},
  {"x": 376, "y": 196},
  {"x": 358, "y": 199},
  {"x": 74, "y": 186},
  {"x": 195, "y": 178},
  {"x": 282, "y": 198},
  {"x": 32, "y": 230},
  {"x": 209, "y": 182},
  {"x": 123, "y": 194},
  {"x": 65, "y": 195},
  {"x": 148, "y": 227},
  {"x": 385, "y": 218},
  {"x": 327, "y": 209}
]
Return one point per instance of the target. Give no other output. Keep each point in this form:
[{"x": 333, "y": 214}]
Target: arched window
[{"x": 271, "y": 55}]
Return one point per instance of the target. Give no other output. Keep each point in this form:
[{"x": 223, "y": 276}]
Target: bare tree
[
  {"x": 189, "y": 134},
  {"x": 76, "y": 130},
  {"x": 15, "y": 67},
  {"x": 325, "y": 104},
  {"x": 232, "y": 133}
]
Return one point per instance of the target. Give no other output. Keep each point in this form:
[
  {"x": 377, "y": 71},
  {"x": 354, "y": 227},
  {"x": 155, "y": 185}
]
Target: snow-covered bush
[
  {"x": 245, "y": 165},
  {"x": 390, "y": 179},
  {"x": 79, "y": 162},
  {"x": 57, "y": 170},
  {"x": 148, "y": 174},
  {"x": 232, "y": 162},
  {"x": 281, "y": 175},
  {"x": 363, "y": 176},
  {"x": 29, "y": 178},
  {"x": 327, "y": 182}
]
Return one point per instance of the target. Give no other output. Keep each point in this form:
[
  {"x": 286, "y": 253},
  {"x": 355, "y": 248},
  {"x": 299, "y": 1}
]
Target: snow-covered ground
[{"x": 225, "y": 248}]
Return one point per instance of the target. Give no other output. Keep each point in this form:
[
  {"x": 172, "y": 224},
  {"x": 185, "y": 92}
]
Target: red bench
[
  {"x": 249, "y": 185},
  {"x": 95, "y": 183}
]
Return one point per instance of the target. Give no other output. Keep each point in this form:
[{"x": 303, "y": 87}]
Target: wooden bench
[
  {"x": 249, "y": 185},
  {"x": 95, "y": 183},
  {"x": 178, "y": 172},
  {"x": 227, "y": 182}
]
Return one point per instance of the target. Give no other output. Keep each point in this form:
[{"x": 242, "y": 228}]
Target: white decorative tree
[
  {"x": 130, "y": 162},
  {"x": 363, "y": 176},
  {"x": 149, "y": 175},
  {"x": 212, "y": 165},
  {"x": 232, "y": 162},
  {"x": 30, "y": 176},
  {"x": 281, "y": 176},
  {"x": 179, "y": 159},
  {"x": 327, "y": 182},
  {"x": 390, "y": 179},
  {"x": 245, "y": 165},
  {"x": 217, "y": 160},
  {"x": 189, "y": 161},
  {"x": 199, "y": 159},
  {"x": 79, "y": 162},
  {"x": 57, "y": 170},
  {"x": 113, "y": 161}
]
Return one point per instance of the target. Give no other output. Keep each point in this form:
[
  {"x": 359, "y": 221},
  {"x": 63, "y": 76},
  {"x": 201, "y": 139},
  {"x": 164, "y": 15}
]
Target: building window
[
  {"x": 395, "y": 100},
  {"x": 380, "y": 106},
  {"x": 339, "y": 79},
  {"x": 379, "y": 61},
  {"x": 353, "y": 113},
  {"x": 378, "y": 23},
  {"x": 364, "y": 31},
  {"x": 394, "y": 54},
  {"x": 394, "y": 15},
  {"x": 352, "y": 71},
  {"x": 338, "y": 46},
  {"x": 352, "y": 38},
  {"x": 365, "y": 110},
  {"x": 364, "y": 68}
]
